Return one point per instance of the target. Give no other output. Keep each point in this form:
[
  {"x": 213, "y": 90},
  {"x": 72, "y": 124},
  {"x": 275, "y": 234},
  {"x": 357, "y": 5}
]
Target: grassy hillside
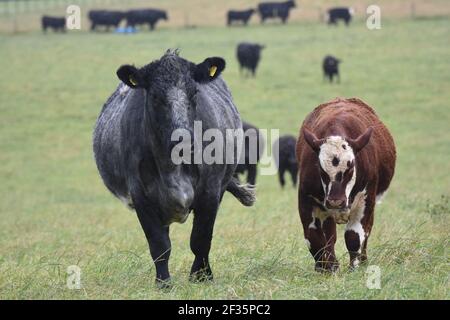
[{"x": 55, "y": 211}]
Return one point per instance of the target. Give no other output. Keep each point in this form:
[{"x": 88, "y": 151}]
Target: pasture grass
[{"x": 55, "y": 211}]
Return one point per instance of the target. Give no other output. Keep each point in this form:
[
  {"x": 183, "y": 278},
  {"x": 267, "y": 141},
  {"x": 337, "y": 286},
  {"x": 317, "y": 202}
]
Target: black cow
[
  {"x": 244, "y": 16},
  {"x": 145, "y": 16},
  {"x": 286, "y": 158},
  {"x": 343, "y": 13},
  {"x": 253, "y": 149},
  {"x": 134, "y": 152},
  {"x": 55, "y": 23},
  {"x": 105, "y": 18},
  {"x": 248, "y": 55},
  {"x": 275, "y": 10},
  {"x": 331, "y": 68}
]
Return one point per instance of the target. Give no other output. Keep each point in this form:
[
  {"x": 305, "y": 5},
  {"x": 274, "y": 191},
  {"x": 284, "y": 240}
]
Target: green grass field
[{"x": 55, "y": 211}]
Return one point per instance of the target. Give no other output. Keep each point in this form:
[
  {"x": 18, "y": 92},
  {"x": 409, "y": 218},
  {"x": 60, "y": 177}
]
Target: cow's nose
[{"x": 335, "y": 203}]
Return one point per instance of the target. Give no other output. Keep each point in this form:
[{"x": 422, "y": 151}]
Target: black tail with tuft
[{"x": 246, "y": 194}]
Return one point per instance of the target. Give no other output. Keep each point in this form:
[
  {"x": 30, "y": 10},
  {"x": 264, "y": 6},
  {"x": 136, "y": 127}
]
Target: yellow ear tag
[
  {"x": 132, "y": 81},
  {"x": 212, "y": 71}
]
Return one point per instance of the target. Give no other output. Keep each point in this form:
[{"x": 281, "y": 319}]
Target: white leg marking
[
  {"x": 312, "y": 225},
  {"x": 356, "y": 215},
  {"x": 380, "y": 197}
]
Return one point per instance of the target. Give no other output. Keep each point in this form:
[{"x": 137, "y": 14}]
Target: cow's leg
[
  {"x": 294, "y": 172},
  {"x": 338, "y": 77},
  {"x": 281, "y": 176},
  {"x": 320, "y": 236},
  {"x": 251, "y": 175},
  {"x": 368, "y": 229},
  {"x": 358, "y": 230},
  {"x": 157, "y": 236},
  {"x": 329, "y": 257},
  {"x": 201, "y": 237}
]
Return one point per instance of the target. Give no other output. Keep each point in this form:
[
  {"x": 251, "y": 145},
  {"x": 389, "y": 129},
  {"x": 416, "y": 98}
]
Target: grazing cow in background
[
  {"x": 239, "y": 16},
  {"x": 145, "y": 16},
  {"x": 133, "y": 150},
  {"x": 335, "y": 14},
  {"x": 330, "y": 68},
  {"x": 286, "y": 159},
  {"x": 55, "y": 23},
  {"x": 346, "y": 160},
  {"x": 253, "y": 148},
  {"x": 105, "y": 18},
  {"x": 275, "y": 10},
  {"x": 248, "y": 55}
]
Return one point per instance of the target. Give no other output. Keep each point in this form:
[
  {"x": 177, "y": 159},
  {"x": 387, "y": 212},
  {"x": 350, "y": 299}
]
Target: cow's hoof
[
  {"x": 329, "y": 267},
  {"x": 165, "y": 284},
  {"x": 356, "y": 263},
  {"x": 201, "y": 275}
]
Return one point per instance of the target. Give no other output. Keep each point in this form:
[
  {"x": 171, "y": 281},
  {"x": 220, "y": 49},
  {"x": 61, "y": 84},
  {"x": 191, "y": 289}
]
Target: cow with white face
[{"x": 346, "y": 159}]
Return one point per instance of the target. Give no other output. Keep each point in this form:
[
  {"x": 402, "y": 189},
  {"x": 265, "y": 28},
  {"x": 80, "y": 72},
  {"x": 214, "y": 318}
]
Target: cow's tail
[{"x": 245, "y": 193}]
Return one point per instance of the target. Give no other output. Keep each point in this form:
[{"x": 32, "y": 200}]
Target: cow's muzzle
[{"x": 335, "y": 204}]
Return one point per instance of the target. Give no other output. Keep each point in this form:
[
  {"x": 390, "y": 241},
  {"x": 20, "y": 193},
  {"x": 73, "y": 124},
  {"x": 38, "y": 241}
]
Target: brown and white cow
[{"x": 346, "y": 160}]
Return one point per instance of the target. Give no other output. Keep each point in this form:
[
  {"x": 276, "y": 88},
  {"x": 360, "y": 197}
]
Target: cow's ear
[
  {"x": 360, "y": 142},
  {"x": 312, "y": 140},
  {"x": 209, "y": 69},
  {"x": 130, "y": 75}
]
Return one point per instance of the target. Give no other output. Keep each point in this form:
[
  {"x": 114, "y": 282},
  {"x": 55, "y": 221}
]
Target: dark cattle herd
[
  {"x": 239, "y": 16},
  {"x": 342, "y": 160},
  {"x": 145, "y": 17},
  {"x": 275, "y": 10},
  {"x": 336, "y": 14},
  {"x": 105, "y": 18},
  {"x": 54, "y": 23},
  {"x": 133, "y": 18}
]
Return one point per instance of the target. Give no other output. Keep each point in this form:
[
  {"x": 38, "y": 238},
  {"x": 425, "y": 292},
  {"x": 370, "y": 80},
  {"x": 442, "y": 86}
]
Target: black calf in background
[
  {"x": 286, "y": 159},
  {"x": 253, "y": 142},
  {"x": 330, "y": 68}
]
